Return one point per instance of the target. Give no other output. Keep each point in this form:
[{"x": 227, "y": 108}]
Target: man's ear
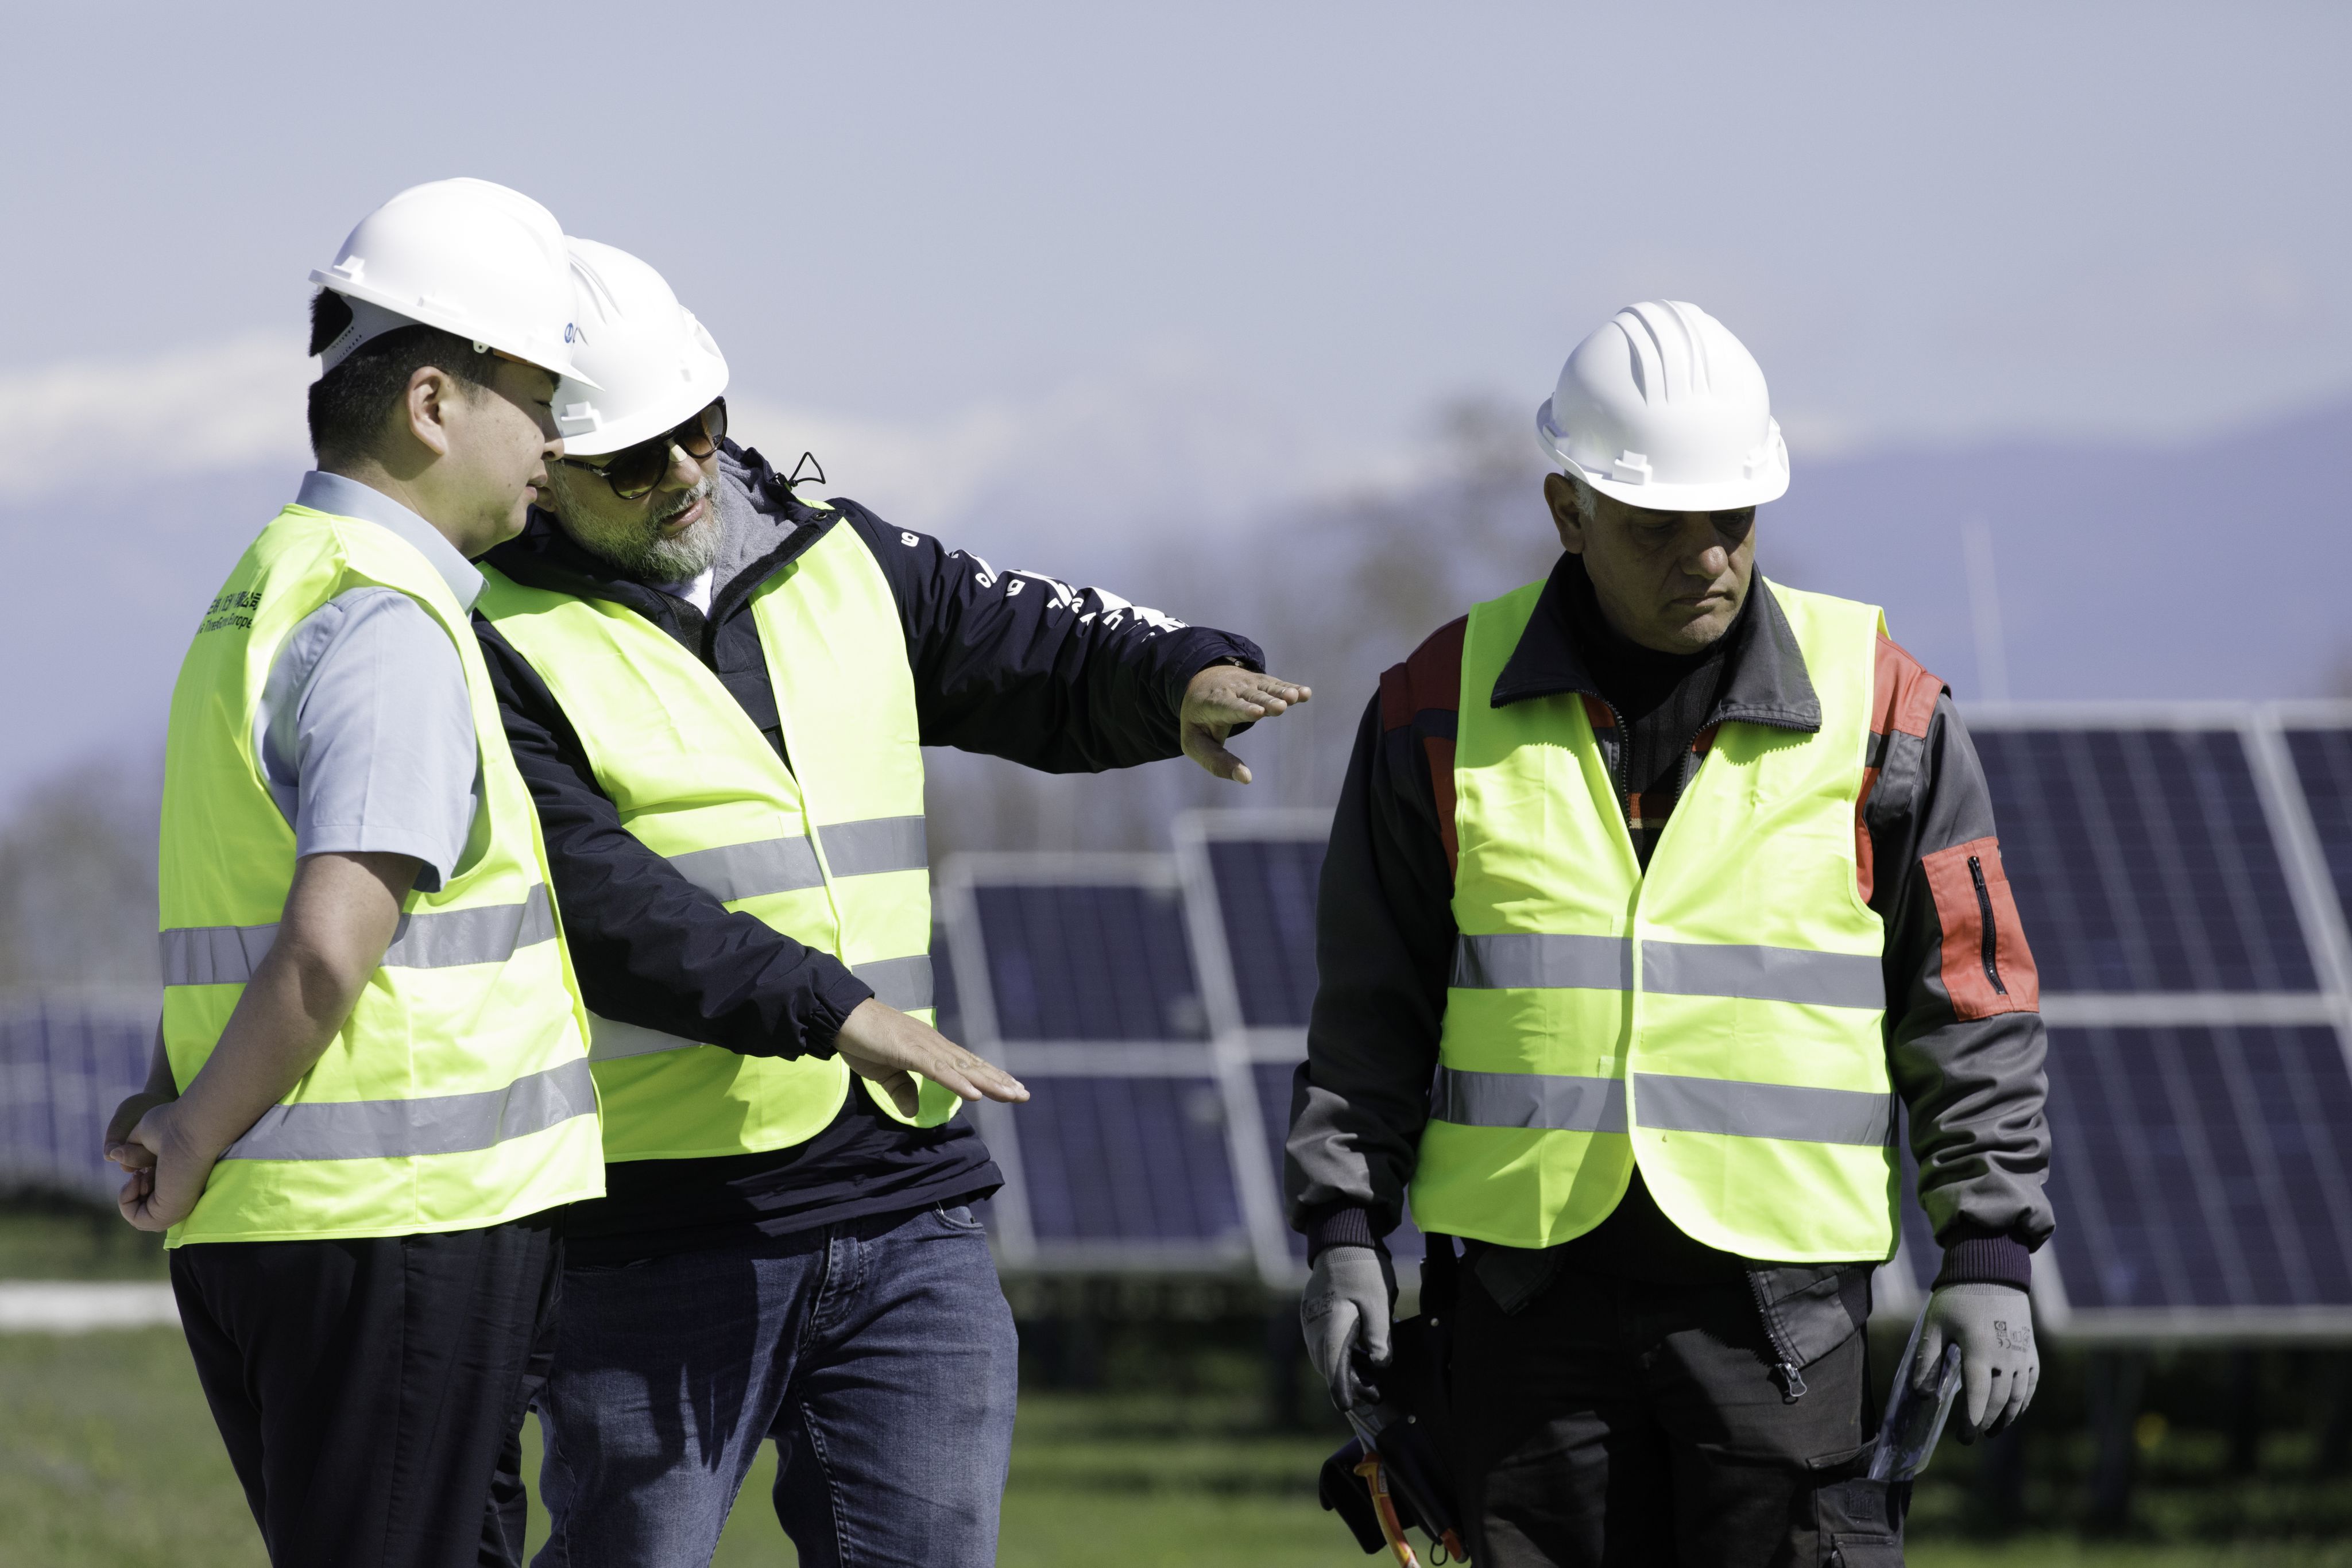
[
  {"x": 1559, "y": 494},
  {"x": 426, "y": 407}
]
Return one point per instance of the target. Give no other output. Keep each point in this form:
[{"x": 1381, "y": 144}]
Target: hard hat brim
[
  {"x": 554, "y": 358},
  {"x": 641, "y": 425},
  {"x": 1728, "y": 495}
]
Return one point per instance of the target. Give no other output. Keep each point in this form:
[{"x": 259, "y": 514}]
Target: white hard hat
[
  {"x": 655, "y": 365},
  {"x": 1662, "y": 408},
  {"x": 465, "y": 255}
]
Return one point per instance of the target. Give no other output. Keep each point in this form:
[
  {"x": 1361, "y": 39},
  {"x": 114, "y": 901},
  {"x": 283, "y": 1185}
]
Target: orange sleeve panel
[
  {"x": 1988, "y": 968},
  {"x": 1431, "y": 678}
]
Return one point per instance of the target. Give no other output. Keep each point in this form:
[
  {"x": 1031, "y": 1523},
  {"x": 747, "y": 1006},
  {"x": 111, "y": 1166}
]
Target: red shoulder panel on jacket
[
  {"x": 1906, "y": 694},
  {"x": 1429, "y": 678}
]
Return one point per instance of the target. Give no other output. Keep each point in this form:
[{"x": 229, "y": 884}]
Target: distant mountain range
[
  {"x": 2221, "y": 569},
  {"x": 2212, "y": 569}
]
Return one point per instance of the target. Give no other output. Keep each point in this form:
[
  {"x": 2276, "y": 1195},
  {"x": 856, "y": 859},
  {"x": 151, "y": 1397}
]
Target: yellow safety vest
[
  {"x": 829, "y": 850},
  {"x": 458, "y": 1094},
  {"x": 1717, "y": 1021}
]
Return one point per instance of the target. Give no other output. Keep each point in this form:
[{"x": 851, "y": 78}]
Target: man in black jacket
[
  {"x": 834, "y": 1292},
  {"x": 1649, "y": 1367}
]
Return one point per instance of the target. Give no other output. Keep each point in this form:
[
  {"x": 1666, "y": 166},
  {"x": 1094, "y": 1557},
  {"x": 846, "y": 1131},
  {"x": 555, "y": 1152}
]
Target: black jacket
[{"x": 1014, "y": 665}]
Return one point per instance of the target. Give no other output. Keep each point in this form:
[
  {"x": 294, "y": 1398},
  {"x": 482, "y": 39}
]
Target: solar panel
[
  {"x": 2201, "y": 1168},
  {"x": 1129, "y": 1159},
  {"x": 1076, "y": 972},
  {"x": 1251, "y": 880},
  {"x": 1265, "y": 902},
  {"x": 1088, "y": 962},
  {"x": 63, "y": 1067},
  {"x": 2142, "y": 861},
  {"x": 2323, "y": 766}
]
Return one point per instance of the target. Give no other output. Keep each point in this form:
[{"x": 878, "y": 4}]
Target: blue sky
[
  {"x": 1931, "y": 224},
  {"x": 1061, "y": 282}
]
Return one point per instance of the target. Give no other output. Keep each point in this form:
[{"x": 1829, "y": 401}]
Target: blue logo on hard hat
[{"x": 570, "y": 331}]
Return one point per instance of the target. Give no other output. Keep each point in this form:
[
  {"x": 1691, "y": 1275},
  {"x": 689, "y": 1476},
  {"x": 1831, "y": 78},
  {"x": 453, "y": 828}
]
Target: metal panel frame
[
  {"x": 2262, "y": 730},
  {"x": 1238, "y": 1046},
  {"x": 1017, "y": 1245}
]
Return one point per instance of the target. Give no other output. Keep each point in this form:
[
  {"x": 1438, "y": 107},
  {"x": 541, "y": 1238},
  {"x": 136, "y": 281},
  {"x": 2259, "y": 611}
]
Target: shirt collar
[
  {"x": 341, "y": 496},
  {"x": 1766, "y": 683}
]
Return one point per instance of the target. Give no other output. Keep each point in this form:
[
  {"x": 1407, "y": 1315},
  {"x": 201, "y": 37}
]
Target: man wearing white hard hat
[
  {"x": 718, "y": 689},
  {"x": 372, "y": 1095},
  {"x": 1655, "y": 890}
]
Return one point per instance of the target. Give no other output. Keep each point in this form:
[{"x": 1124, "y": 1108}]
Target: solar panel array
[
  {"x": 2183, "y": 874},
  {"x": 65, "y": 1065}
]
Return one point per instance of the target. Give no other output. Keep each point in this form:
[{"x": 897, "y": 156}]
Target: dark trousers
[
  {"x": 372, "y": 1393},
  {"x": 1611, "y": 1422}
]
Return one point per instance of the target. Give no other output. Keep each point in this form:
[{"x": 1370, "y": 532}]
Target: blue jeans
[{"x": 877, "y": 1353}]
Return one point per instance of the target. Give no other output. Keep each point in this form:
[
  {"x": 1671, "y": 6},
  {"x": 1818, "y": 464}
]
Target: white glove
[
  {"x": 1349, "y": 1295},
  {"x": 1993, "y": 1326}
]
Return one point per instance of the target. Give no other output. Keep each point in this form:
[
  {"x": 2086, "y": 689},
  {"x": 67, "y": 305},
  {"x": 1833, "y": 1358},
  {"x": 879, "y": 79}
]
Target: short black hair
[{"x": 349, "y": 403}]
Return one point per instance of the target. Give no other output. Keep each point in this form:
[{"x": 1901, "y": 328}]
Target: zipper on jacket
[{"x": 1991, "y": 933}]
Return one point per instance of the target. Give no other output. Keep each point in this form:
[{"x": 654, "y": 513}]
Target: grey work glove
[
  {"x": 1993, "y": 1326},
  {"x": 1350, "y": 1297}
]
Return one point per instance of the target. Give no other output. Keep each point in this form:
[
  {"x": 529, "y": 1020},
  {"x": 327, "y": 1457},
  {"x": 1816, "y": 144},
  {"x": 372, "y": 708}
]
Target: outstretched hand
[
  {"x": 1223, "y": 696},
  {"x": 879, "y": 1043}
]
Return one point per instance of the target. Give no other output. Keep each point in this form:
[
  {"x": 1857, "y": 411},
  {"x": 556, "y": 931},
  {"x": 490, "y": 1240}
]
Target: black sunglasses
[{"x": 634, "y": 471}]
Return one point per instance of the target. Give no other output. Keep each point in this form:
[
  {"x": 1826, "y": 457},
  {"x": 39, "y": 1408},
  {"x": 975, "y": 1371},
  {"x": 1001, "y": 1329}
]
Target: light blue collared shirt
[{"x": 366, "y": 730}]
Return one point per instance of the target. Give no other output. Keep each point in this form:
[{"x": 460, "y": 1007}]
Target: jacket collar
[
  {"x": 1766, "y": 683},
  {"x": 543, "y": 555}
]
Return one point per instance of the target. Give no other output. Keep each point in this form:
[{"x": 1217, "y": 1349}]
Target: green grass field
[
  {"x": 108, "y": 1457},
  {"x": 108, "y": 1460}
]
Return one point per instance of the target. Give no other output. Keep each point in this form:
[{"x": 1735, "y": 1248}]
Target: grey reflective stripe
[
  {"x": 215, "y": 955},
  {"x": 1762, "y": 1111},
  {"x": 1530, "y": 961},
  {"x": 876, "y": 844},
  {"x": 787, "y": 865},
  {"x": 753, "y": 870},
  {"x": 402, "y": 1129},
  {"x": 901, "y": 983},
  {"x": 1552, "y": 1103},
  {"x": 1763, "y": 974},
  {"x": 609, "y": 1039},
  {"x": 447, "y": 938},
  {"x": 428, "y": 939}
]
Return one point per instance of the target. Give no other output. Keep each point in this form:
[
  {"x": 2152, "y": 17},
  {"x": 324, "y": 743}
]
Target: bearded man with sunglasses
[{"x": 718, "y": 691}]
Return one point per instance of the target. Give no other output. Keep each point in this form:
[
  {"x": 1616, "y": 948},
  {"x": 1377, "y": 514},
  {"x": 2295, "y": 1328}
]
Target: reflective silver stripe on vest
[
  {"x": 1763, "y": 974},
  {"x": 439, "y": 1124},
  {"x": 425, "y": 939},
  {"x": 1534, "y": 961},
  {"x": 788, "y": 866},
  {"x": 609, "y": 1039},
  {"x": 1543, "y": 961},
  {"x": 901, "y": 983},
  {"x": 875, "y": 845},
  {"x": 753, "y": 870},
  {"x": 1551, "y": 1103},
  {"x": 1762, "y": 1111}
]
